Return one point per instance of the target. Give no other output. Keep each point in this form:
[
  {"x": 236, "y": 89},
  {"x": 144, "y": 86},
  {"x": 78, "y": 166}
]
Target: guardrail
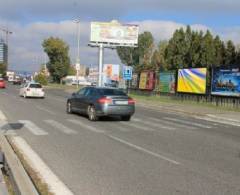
[{"x": 19, "y": 178}]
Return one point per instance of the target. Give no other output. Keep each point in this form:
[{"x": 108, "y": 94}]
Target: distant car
[
  {"x": 100, "y": 101},
  {"x": 17, "y": 81},
  {"x": 2, "y": 83},
  {"x": 32, "y": 90}
]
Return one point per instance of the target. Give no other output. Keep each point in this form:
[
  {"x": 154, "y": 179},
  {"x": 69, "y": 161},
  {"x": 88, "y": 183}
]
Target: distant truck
[{"x": 10, "y": 76}]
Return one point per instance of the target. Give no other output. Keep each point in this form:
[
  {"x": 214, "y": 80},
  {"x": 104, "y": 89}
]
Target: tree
[
  {"x": 41, "y": 78},
  {"x": 59, "y": 62},
  {"x": 219, "y": 51},
  {"x": 3, "y": 68},
  {"x": 128, "y": 55},
  {"x": 72, "y": 71},
  {"x": 230, "y": 55},
  {"x": 158, "y": 58}
]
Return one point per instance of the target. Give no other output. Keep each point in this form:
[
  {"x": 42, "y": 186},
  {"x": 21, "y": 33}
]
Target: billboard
[
  {"x": 111, "y": 75},
  {"x": 115, "y": 33},
  {"x": 226, "y": 81},
  {"x": 192, "y": 80},
  {"x": 147, "y": 80},
  {"x": 167, "y": 82}
]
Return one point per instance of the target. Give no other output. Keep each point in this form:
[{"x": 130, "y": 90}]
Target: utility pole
[{"x": 77, "y": 21}]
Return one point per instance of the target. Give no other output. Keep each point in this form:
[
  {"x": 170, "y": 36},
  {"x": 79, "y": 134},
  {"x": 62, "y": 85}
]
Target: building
[
  {"x": 3, "y": 52},
  {"x": 93, "y": 74}
]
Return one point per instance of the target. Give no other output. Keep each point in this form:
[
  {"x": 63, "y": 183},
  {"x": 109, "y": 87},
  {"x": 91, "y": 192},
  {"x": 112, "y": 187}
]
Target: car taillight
[
  {"x": 105, "y": 100},
  {"x": 131, "y": 101},
  {"x": 28, "y": 89},
  {"x": 42, "y": 90}
]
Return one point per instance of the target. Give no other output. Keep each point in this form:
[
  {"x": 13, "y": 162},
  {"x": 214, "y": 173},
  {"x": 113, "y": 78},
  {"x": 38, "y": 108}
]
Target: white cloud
[{"x": 26, "y": 51}]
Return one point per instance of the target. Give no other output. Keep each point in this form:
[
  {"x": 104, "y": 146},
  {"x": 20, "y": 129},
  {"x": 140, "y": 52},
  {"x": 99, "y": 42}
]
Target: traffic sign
[{"x": 127, "y": 72}]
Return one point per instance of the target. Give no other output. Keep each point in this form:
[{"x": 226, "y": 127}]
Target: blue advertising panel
[
  {"x": 226, "y": 81},
  {"x": 127, "y": 73}
]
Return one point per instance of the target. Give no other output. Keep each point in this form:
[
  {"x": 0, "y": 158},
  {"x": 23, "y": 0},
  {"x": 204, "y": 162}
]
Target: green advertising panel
[{"x": 167, "y": 82}]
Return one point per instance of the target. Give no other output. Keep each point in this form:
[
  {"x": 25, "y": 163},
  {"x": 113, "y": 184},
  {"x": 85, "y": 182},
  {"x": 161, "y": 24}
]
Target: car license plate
[{"x": 121, "y": 102}]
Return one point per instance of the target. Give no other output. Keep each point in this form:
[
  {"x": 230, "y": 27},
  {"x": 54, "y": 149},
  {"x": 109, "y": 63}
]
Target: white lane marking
[
  {"x": 188, "y": 122},
  {"x": 139, "y": 127},
  {"x": 177, "y": 125},
  {"x": 55, "y": 185},
  {"x": 33, "y": 128},
  {"x": 2, "y": 116},
  {"x": 222, "y": 118},
  {"x": 60, "y": 127},
  {"x": 144, "y": 150},
  {"x": 46, "y": 110},
  {"x": 219, "y": 121},
  {"x": 88, "y": 127},
  {"x": 160, "y": 126}
]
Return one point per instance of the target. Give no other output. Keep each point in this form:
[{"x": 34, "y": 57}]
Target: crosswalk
[{"x": 73, "y": 126}]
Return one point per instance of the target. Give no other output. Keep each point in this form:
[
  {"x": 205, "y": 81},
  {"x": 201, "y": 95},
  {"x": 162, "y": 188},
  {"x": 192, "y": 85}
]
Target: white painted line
[
  {"x": 223, "y": 118},
  {"x": 188, "y": 122},
  {"x": 177, "y": 125},
  {"x": 139, "y": 127},
  {"x": 159, "y": 126},
  {"x": 144, "y": 150},
  {"x": 60, "y": 127},
  {"x": 219, "y": 121},
  {"x": 88, "y": 127},
  {"x": 33, "y": 128},
  {"x": 45, "y": 110},
  {"x": 2, "y": 116},
  {"x": 56, "y": 186}
]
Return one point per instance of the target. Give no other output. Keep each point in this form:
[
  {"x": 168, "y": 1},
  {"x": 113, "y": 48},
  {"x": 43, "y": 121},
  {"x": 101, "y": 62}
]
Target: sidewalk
[{"x": 203, "y": 111}]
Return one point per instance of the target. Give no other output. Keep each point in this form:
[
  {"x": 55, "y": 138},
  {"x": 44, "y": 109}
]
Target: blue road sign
[{"x": 127, "y": 72}]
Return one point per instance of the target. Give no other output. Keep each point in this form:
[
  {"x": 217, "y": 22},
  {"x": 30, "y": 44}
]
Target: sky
[{"x": 32, "y": 21}]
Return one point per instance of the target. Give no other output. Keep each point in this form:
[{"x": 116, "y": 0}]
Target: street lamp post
[{"x": 77, "y": 21}]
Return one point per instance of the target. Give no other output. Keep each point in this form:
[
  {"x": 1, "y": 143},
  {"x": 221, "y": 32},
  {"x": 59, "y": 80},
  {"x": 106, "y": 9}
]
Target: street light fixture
[{"x": 77, "y": 65}]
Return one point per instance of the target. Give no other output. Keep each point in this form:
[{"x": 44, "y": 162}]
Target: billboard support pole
[{"x": 100, "y": 67}]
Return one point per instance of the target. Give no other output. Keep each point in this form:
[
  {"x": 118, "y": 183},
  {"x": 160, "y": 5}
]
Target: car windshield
[
  {"x": 35, "y": 86},
  {"x": 111, "y": 92}
]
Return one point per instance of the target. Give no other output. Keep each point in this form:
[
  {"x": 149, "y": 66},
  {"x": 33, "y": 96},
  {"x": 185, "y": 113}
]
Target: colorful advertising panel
[
  {"x": 192, "y": 80},
  {"x": 111, "y": 75},
  {"x": 147, "y": 80},
  {"x": 134, "y": 81},
  {"x": 143, "y": 80},
  {"x": 113, "y": 32},
  {"x": 167, "y": 82},
  {"x": 226, "y": 81}
]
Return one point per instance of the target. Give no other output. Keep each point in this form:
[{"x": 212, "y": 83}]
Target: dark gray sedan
[{"x": 99, "y": 101}]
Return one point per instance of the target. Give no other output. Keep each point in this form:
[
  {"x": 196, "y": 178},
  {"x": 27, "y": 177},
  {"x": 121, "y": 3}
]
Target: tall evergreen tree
[
  {"x": 230, "y": 53},
  {"x": 219, "y": 51}
]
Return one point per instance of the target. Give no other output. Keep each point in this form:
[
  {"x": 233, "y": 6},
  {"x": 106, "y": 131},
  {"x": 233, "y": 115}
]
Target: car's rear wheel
[
  {"x": 126, "y": 118},
  {"x": 69, "y": 108},
  {"x": 24, "y": 95},
  {"x": 92, "y": 115}
]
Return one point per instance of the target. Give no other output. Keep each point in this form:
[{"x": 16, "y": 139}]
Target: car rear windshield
[
  {"x": 113, "y": 92},
  {"x": 35, "y": 86}
]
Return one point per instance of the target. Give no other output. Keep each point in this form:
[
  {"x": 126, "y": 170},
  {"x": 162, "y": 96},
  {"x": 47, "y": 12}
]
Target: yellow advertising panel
[
  {"x": 143, "y": 80},
  {"x": 192, "y": 80}
]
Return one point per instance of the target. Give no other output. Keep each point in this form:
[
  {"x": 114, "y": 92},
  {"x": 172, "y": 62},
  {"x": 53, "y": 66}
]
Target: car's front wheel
[
  {"x": 92, "y": 115},
  {"x": 126, "y": 118},
  {"x": 69, "y": 108}
]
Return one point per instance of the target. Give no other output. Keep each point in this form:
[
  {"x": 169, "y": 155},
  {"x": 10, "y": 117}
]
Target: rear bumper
[
  {"x": 106, "y": 110},
  {"x": 35, "y": 94}
]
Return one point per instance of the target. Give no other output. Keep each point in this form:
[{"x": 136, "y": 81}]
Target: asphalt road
[{"x": 156, "y": 153}]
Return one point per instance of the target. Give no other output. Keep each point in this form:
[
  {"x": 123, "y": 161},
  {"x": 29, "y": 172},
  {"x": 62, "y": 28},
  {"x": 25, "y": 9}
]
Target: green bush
[{"x": 42, "y": 79}]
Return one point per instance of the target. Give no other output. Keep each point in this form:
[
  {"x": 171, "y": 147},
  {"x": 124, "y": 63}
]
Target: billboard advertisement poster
[
  {"x": 150, "y": 81},
  {"x": 226, "y": 82},
  {"x": 113, "y": 32},
  {"x": 192, "y": 80},
  {"x": 143, "y": 80},
  {"x": 167, "y": 82},
  {"x": 111, "y": 75},
  {"x": 147, "y": 80},
  {"x": 134, "y": 81}
]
